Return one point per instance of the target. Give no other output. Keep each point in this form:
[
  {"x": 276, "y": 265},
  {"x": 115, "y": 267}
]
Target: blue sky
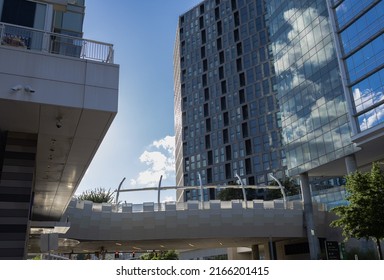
[{"x": 139, "y": 144}]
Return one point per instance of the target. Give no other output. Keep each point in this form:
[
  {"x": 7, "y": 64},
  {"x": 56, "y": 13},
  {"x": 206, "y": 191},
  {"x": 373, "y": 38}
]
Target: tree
[
  {"x": 363, "y": 216},
  {"x": 98, "y": 195},
  {"x": 290, "y": 187},
  {"x": 162, "y": 255},
  {"x": 229, "y": 193}
]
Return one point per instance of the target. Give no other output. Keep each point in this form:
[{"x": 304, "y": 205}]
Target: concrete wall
[{"x": 58, "y": 80}]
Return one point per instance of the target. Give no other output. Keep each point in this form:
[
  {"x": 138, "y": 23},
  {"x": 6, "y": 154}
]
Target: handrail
[{"x": 55, "y": 43}]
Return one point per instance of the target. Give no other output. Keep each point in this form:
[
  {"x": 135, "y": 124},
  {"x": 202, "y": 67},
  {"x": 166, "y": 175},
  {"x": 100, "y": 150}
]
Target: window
[
  {"x": 224, "y": 87},
  {"x": 221, "y": 57},
  {"x": 209, "y": 175},
  {"x": 239, "y": 65},
  {"x": 226, "y": 118},
  {"x": 206, "y": 110},
  {"x": 244, "y": 127},
  {"x": 223, "y": 103},
  {"x": 210, "y": 157},
  {"x": 208, "y": 125},
  {"x": 248, "y": 166},
  {"x": 217, "y": 13},
  {"x": 236, "y": 17},
  {"x": 206, "y": 94},
  {"x": 245, "y": 112},
  {"x": 219, "y": 28},
  {"x": 248, "y": 147},
  {"x": 203, "y": 36},
  {"x": 241, "y": 96},
  {"x": 225, "y": 136},
  {"x": 207, "y": 141},
  {"x": 204, "y": 80},
  {"x": 236, "y": 35},
  {"x": 228, "y": 152},
  {"x": 242, "y": 79},
  {"x": 205, "y": 65},
  {"x": 202, "y": 9},
  {"x": 239, "y": 49},
  {"x": 221, "y": 72},
  {"x": 202, "y": 52},
  {"x": 228, "y": 172},
  {"x": 234, "y": 5},
  {"x": 219, "y": 44}
]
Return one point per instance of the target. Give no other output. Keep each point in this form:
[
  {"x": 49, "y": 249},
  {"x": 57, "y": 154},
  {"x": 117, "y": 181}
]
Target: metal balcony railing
[{"x": 54, "y": 43}]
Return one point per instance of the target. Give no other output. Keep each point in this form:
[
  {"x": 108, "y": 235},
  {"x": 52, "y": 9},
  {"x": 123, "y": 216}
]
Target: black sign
[{"x": 332, "y": 249}]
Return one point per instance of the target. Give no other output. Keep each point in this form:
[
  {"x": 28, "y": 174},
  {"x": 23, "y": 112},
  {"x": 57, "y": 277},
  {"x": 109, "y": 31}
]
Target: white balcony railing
[{"x": 54, "y": 43}]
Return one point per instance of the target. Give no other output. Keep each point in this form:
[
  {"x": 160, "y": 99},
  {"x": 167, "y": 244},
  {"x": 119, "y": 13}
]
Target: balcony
[{"x": 54, "y": 43}]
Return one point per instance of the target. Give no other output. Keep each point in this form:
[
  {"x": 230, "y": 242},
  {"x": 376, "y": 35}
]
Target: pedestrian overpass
[{"x": 183, "y": 226}]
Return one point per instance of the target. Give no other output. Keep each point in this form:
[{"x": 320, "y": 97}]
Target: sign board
[{"x": 332, "y": 249}]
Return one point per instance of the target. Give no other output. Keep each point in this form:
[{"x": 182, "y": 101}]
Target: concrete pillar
[
  {"x": 255, "y": 252},
  {"x": 350, "y": 163},
  {"x": 266, "y": 251},
  {"x": 314, "y": 246}
]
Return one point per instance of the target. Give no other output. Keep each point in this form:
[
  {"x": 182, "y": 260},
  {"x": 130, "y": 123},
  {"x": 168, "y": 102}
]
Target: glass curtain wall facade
[
  {"x": 314, "y": 111},
  {"x": 227, "y": 117},
  {"x": 359, "y": 27}
]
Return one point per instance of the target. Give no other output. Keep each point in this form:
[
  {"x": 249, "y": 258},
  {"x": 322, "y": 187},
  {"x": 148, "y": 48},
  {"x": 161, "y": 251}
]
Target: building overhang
[{"x": 70, "y": 108}]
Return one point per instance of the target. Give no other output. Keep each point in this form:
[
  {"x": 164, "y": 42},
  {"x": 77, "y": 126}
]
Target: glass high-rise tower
[{"x": 226, "y": 113}]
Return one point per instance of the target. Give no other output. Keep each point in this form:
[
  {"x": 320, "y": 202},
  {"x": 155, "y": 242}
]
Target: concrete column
[
  {"x": 255, "y": 252},
  {"x": 266, "y": 251},
  {"x": 350, "y": 163},
  {"x": 314, "y": 246}
]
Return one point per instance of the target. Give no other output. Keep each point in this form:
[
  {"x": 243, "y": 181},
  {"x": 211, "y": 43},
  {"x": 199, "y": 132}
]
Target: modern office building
[
  {"x": 227, "y": 118},
  {"x": 58, "y": 97},
  {"x": 280, "y": 87},
  {"x": 358, "y": 29}
]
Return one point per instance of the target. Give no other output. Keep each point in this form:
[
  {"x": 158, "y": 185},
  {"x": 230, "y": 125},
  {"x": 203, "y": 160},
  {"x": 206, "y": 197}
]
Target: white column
[{"x": 350, "y": 163}]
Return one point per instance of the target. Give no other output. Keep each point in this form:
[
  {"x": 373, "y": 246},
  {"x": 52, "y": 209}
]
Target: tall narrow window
[
  {"x": 219, "y": 44},
  {"x": 208, "y": 125},
  {"x": 223, "y": 103},
  {"x": 236, "y": 17},
  {"x": 225, "y": 136},
  {"x": 203, "y": 36},
  {"x": 248, "y": 147},
  {"x": 206, "y": 94},
  {"x": 244, "y": 127},
  {"x": 207, "y": 141},
  {"x": 221, "y": 72},
  {"x": 228, "y": 173},
  {"x": 228, "y": 152},
  {"x": 221, "y": 57},
  {"x": 239, "y": 48},
  {"x": 239, "y": 65},
  {"x": 226, "y": 118},
  {"x": 219, "y": 28},
  {"x": 234, "y": 5},
  {"x": 248, "y": 166},
  {"x": 202, "y": 52},
  {"x": 236, "y": 35},
  {"x": 217, "y": 13},
  {"x": 201, "y": 22},
  {"x": 224, "y": 87}
]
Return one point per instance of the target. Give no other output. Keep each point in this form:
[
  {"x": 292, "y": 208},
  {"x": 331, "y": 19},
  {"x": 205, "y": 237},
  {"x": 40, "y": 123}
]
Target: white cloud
[
  {"x": 159, "y": 159},
  {"x": 308, "y": 28}
]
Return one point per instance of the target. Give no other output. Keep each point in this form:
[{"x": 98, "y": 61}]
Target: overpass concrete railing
[{"x": 184, "y": 206}]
